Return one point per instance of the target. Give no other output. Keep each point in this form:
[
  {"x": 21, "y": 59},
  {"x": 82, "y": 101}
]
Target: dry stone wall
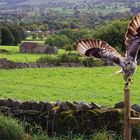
[
  {"x": 8, "y": 64},
  {"x": 66, "y": 117}
]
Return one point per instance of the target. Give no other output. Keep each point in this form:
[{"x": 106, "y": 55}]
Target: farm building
[{"x": 31, "y": 47}]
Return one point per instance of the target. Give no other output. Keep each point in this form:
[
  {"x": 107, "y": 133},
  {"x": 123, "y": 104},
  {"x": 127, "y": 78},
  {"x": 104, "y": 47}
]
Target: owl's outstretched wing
[
  {"x": 99, "y": 49},
  {"x": 132, "y": 38}
]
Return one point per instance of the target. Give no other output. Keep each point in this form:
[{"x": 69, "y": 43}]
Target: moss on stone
[{"x": 56, "y": 108}]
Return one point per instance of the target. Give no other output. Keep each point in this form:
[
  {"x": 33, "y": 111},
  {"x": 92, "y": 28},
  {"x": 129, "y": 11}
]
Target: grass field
[
  {"x": 101, "y": 85},
  {"x": 16, "y": 56},
  {"x": 12, "y": 49}
]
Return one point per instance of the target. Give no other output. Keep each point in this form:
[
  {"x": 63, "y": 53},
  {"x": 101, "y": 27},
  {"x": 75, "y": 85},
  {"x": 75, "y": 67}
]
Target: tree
[
  {"x": 0, "y": 34},
  {"x": 16, "y": 34},
  {"x": 75, "y": 34},
  {"x": 34, "y": 36},
  {"x": 50, "y": 41},
  {"x": 6, "y": 36},
  {"x": 113, "y": 33},
  {"x": 61, "y": 41},
  {"x": 58, "y": 41}
]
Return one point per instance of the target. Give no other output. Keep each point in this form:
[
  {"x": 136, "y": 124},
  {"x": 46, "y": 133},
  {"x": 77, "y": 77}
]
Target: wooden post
[
  {"x": 134, "y": 120},
  {"x": 127, "y": 113}
]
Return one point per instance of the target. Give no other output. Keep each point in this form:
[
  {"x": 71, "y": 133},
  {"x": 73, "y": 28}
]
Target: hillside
[{"x": 59, "y": 14}]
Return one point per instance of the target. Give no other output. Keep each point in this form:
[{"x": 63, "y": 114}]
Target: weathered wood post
[
  {"x": 128, "y": 120},
  {"x": 127, "y": 113}
]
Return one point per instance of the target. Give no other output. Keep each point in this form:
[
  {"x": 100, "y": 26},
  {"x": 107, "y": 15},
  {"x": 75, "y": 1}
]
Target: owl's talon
[
  {"x": 130, "y": 81},
  {"x": 126, "y": 85}
]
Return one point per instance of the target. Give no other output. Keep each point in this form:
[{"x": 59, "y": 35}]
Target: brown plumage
[
  {"x": 133, "y": 29},
  {"x": 98, "y": 49},
  {"x": 102, "y": 50},
  {"x": 132, "y": 38}
]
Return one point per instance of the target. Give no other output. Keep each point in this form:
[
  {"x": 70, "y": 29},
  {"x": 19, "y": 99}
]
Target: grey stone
[
  {"x": 42, "y": 106},
  {"x": 18, "y": 112},
  {"x": 49, "y": 106},
  {"x": 2, "y": 102},
  {"x": 119, "y": 105},
  {"x": 4, "y": 109},
  {"x": 64, "y": 106},
  {"x": 9, "y": 103},
  {"x": 16, "y": 105},
  {"x": 83, "y": 106},
  {"x": 95, "y": 106},
  {"x": 25, "y": 106},
  {"x": 136, "y": 107},
  {"x": 31, "y": 112},
  {"x": 35, "y": 106},
  {"x": 70, "y": 105},
  {"x": 58, "y": 103}
]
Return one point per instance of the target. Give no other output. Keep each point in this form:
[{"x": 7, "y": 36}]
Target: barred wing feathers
[
  {"x": 99, "y": 49},
  {"x": 132, "y": 37}
]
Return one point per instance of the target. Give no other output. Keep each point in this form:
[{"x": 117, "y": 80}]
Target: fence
[{"x": 128, "y": 120}]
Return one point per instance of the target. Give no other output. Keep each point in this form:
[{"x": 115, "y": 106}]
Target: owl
[{"x": 102, "y": 50}]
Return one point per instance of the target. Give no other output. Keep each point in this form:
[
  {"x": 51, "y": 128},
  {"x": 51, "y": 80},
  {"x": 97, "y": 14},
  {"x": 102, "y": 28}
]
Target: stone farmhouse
[{"x": 31, "y": 47}]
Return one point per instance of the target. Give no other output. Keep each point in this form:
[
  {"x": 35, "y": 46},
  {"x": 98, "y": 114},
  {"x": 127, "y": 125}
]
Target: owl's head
[{"x": 129, "y": 67}]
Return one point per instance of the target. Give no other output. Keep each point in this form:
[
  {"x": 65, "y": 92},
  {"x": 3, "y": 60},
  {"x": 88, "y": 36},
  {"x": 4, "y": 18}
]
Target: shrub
[
  {"x": 41, "y": 137},
  {"x": 101, "y": 136},
  {"x": 98, "y": 62},
  {"x": 57, "y": 59},
  {"x": 49, "y": 59},
  {"x": 91, "y": 62},
  {"x": 10, "y": 129},
  {"x": 68, "y": 58},
  {"x": 34, "y": 131},
  {"x": 106, "y": 135}
]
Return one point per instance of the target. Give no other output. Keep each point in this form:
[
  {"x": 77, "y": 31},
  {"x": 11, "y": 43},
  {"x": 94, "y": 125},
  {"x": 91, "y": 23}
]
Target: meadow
[
  {"x": 14, "y": 54},
  {"x": 101, "y": 85}
]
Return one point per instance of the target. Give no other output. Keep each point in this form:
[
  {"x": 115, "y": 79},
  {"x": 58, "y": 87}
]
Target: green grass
[
  {"x": 10, "y": 129},
  {"x": 12, "y": 49},
  {"x": 14, "y": 54},
  {"x": 22, "y": 57},
  {"x": 101, "y": 85}
]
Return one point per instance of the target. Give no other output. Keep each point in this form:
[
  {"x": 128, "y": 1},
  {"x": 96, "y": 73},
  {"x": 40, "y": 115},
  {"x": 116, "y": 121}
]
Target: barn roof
[{"x": 33, "y": 44}]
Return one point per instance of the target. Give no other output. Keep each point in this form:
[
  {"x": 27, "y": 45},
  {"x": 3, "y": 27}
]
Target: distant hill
[
  {"x": 75, "y": 2},
  {"x": 59, "y": 14},
  {"x": 47, "y": 3},
  {"x": 8, "y": 2},
  {"x": 34, "y": 2}
]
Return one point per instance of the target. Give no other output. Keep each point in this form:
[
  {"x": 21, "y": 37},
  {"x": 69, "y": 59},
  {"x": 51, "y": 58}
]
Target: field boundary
[{"x": 67, "y": 117}]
